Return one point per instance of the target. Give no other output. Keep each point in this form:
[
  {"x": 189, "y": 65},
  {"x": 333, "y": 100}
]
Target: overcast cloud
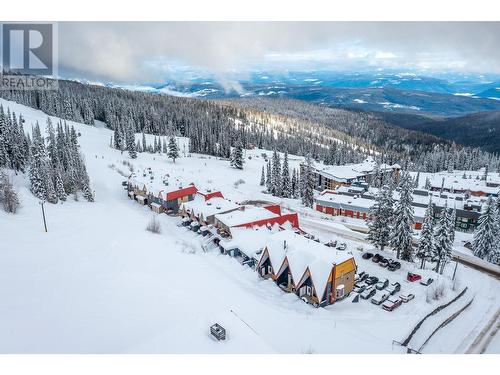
[{"x": 139, "y": 52}]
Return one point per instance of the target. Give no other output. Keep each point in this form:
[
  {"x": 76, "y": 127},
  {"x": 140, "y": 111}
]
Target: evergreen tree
[
  {"x": 486, "y": 235},
  {"x": 237, "y": 156},
  {"x": 117, "y": 137},
  {"x": 51, "y": 143},
  {"x": 286, "y": 187},
  {"x": 4, "y": 156},
  {"x": 8, "y": 196},
  {"x": 173, "y": 149},
  {"x": 401, "y": 236},
  {"x": 130, "y": 140},
  {"x": 380, "y": 218},
  {"x": 453, "y": 220},
  {"x": 59, "y": 185},
  {"x": 262, "y": 177},
  {"x": 295, "y": 184},
  {"x": 307, "y": 183},
  {"x": 276, "y": 175},
  {"x": 269, "y": 178},
  {"x": 144, "y": 143},
  {"x": 51, "y": 195},
  {"x": 442, "y": 240},
  {"x": 36, "y": 169},
  {"x": 425, "y": 250},
  {"x": 87, "y": 193}
]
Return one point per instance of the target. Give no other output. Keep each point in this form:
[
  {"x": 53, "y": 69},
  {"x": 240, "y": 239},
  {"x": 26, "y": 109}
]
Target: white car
[
  {"x": 342, "y": 246},
  {"x": 379, "y": 298},
  {"x": 406, "y": 297}
]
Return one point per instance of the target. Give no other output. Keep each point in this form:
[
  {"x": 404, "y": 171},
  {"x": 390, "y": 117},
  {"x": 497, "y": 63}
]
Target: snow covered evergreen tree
[
  {"x": 237, "y": 156},
  {"x": 37, "y": 170},
  {"x": 87, "y": 193},
  {"x": 443, "y": 244},
  {"x": 269, "y": 177},
  {"x": 173, "y": 149},
  {"x": 130, "y": 140},
  {"x": 263, "y": 177},
  {"x": 380, "y": 218},
  {"x": 144, "y": 143},
  {"x": 286, "y": 188},
  {"x": 8, "y": 196},
  {"x": 401, "y": 236},
  {"x": 59, "y": 185},
  {"x": 295, "y": 184},
  {"x": 487, "y": 233},
  {"x": 425, "y": 250},
  {"x": 276, "y": 174},
  {"x": 307, "y": 183}
]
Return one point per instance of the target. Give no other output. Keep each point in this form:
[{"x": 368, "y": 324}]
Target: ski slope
[{"x": 98, "y": 282}]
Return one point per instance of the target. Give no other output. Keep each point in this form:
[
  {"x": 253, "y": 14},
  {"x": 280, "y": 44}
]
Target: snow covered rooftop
[
  {"x": 250, "y": 240},
  {"x": 353, "y": 171},
  {"x": 245, "y": 215},
  {"x": 156, "y": 183},
  {"x": 303, "y": 253},
  {"x": 457, "y": 182},
  {"x": 208, "y": 208},
  {"x": 347, "y": 202}
]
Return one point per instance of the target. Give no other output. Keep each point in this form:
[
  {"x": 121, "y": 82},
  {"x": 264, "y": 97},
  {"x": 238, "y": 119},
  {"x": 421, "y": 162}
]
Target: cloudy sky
[{"x": 154, "y": 52}]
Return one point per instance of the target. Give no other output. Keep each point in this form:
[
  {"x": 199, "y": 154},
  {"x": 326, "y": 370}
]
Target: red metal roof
[
  {"x": 211, "y": 195},
  {"x": 280, "y": 220},
  {"x": 190, "y": 190}
]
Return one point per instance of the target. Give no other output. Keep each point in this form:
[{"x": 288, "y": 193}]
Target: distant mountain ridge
[
  {"x": 476, "y": 130},
  {"x": 394, "y": 92}
]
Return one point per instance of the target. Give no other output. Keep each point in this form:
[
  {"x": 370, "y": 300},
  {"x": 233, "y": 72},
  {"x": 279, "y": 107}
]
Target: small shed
[{"x": 156, "y": 207}]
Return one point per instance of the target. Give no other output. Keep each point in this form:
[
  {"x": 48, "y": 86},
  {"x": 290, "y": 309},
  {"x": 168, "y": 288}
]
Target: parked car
[
  {"x": 368, "y": 293},
  {"x": 379, "y": 298},
  {"x": 413, "y": 277},
  {"x": 382, "y": 284},
  {"x": 376, "y": 258},
  {"x": 371, "y": 280},
  {"x": 393, "y": 288},
  {"x": 427, "y": 282},
  {"x": 185, "y": 222},
  {"x": 367, "y": 256},
  {"x": 391, "y": 304},
  {"x": 406, "y": 297},
  {"x": 331, "y": 243},
  {"x": 342, "y": 246},
  {"x": 359, "y": 288},
  {"x": 363, "y": 276},
  {"x": 383, "y": 263},
  {"x": 393, "y": 265}
]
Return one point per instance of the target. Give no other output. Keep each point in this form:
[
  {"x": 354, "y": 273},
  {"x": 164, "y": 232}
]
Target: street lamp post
[{"x": 43, "y": 215}]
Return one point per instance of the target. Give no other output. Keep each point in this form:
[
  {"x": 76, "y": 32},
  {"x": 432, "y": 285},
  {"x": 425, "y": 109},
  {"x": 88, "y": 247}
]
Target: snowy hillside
[{"x": 98, "y": 282}]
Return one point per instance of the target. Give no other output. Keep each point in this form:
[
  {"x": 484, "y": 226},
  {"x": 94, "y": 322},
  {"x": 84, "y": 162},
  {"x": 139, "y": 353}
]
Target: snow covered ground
[{"x": 98, "y": 282}]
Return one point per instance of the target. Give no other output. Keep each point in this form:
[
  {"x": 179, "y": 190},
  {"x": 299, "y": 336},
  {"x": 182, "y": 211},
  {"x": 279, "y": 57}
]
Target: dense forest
[{"x": 335, "y": 136}]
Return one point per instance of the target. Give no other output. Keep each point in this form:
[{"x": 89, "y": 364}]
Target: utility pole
[
  {"x": 455, "y": 271},
  {"x": 43, "y": 214}
]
